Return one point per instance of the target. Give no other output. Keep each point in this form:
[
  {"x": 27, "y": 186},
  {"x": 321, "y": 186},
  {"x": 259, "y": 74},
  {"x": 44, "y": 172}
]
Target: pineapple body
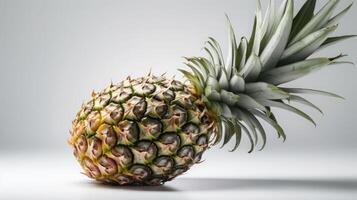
[{"x": 143, "y": 131}]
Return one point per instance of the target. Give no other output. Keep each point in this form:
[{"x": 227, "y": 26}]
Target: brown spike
[
  {"x": 150, "y": 72},
  {"x": 121, "y": 89},
  {"x": 70, "y": 142},
  {"x": 94, "y": 94},
  {"x": 199, "y": 162},
  {"x": 146, "y": 79}
]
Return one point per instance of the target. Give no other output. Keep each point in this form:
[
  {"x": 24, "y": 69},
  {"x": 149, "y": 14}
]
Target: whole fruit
[
  {"x": 149, "y": 130},
  {"x": 142, "y": 131}
]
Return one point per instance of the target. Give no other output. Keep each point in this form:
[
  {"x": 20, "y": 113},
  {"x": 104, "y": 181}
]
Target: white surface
[{"x": 319, "y": 176}]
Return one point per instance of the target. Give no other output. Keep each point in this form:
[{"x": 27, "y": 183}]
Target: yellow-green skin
[{"x": 143, "y": 131}]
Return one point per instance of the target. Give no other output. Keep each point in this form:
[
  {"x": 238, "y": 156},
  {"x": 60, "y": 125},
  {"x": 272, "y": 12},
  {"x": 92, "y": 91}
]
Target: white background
[{"x": 54, "y": 53}]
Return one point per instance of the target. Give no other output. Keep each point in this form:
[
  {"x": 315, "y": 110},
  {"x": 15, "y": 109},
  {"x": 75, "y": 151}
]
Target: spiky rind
[{"x": 142, "y": 131}]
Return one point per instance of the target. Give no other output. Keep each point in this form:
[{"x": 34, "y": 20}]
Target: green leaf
[
  {"x": 212, "y": 82},
  {"x": 259, "y": 127},
  {"x": 212, "y": 94},
  {"x": 280, "y": 13},
  {"x": 193, "y": 61},
  {"x": 223, "y": 80},
  {"x": 194, "y": 81},
  {"x": 237, "y": 84},
  {"x": 219, "y": 134},
  {"x": 254, "y": 71},
  {"x": 262, "y": 90},
  {"x": 306, "y": 46},
  {"x": 238, "y": 134},
  {"x": 316, "y": 21},
  {"x": 293, "y": 71},
  {"x": 226, "y": 111},
  {"x": 252, "y": 38},
  {"x": 304, "y": 15},
  {"x": 246, "y": 131},
  {"x": 258, "y": 32},
  {"x": 333, "y": 40},
  {"x": 248, "y": 102},
  {"x": 275, "y": 47},
  {"x": 310, "y": 91},
  {"x": 286, "y": 107},
  {"x": 272, "y": 122},
  {"x": 229, "y": 131},
  {"x": 214, "y": 70},
  {"x": 259, "y": 14},
  {"x": 272, "y": 116},
  {"x": 232, "y": 50},
  {"x": 214, "y": 106},
  {"x": 205, "y": 65},
  {"x": 268, "y": 24},
  {"x": 217, "y": 49},
  {"x": 242, "y": 54},
  {"x": 252, "y": 68},
  {"x": 336, "y": 18},
  {"x": 201, "y": 76},
  {"x": 229, "y": 98},
  {"x": 303, "y": 101},
  {"x": 245, "y": 118},
  {"x": 218, "y": 62}
]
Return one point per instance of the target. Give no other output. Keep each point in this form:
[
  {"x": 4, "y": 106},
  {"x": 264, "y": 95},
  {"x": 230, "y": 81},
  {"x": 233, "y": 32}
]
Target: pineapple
[
  {"x": 142, "y": 131},
  {"x": 149, "y": 130}
]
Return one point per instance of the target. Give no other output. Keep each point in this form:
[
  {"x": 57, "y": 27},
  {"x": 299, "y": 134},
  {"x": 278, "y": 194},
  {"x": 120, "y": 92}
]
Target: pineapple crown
[{"x": 245, "y": 86}]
